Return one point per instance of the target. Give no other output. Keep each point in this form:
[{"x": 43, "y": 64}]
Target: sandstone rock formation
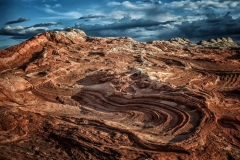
[
  {"x": 65, "y": 95},
  {"x": 219, "y": 42}
]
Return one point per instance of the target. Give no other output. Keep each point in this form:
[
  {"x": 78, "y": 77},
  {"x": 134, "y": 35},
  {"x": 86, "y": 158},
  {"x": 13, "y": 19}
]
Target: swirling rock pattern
[{"x": 65, "y": 95}]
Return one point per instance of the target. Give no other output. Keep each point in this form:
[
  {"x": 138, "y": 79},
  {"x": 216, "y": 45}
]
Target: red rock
[{"x": 64, "y": 95}]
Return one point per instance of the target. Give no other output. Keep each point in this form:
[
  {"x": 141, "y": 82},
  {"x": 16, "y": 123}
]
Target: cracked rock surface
[{"x": 65, "y": 95}]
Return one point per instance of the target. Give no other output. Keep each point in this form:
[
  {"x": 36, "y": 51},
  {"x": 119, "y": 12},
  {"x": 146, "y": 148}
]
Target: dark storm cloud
[
  {"x": 19, "y": 20},
  {"x": 144, "y": 20},
  {"x": 125, "y": 23},
  {"x": 20, "y": 32},
  {"x": 88, "y": 17},
  {"x": 154, "y": 10},
  {"x": 211, "y": 27},
  {"x": 147, "y": 1},
  {"x": 138, "y": 29},
  {"x": 46, "y": 24}
]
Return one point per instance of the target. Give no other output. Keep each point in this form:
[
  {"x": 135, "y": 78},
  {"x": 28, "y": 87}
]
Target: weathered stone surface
[
  {"x": 64, "y": 95},
  {"x": 219, "y": 42}
]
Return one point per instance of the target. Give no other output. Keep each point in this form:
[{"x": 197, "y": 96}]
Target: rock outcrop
[
  {"x": 212, "y": 43},
  {"x": 219, "y": 42},
  {"x": 182, "y": 42},
  {"x": 65, "y": 95}
]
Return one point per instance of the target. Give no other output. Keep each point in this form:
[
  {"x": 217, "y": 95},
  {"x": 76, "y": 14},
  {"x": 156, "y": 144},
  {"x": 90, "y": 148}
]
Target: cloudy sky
[{"x": 143, "y": 20}]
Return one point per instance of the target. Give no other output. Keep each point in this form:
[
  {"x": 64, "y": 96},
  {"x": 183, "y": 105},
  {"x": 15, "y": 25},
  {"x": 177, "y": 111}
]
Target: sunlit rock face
[{"x": 65, "y": 95}]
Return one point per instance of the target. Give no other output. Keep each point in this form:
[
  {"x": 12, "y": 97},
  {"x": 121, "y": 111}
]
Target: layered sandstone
[{"x": 65, "y": 95}]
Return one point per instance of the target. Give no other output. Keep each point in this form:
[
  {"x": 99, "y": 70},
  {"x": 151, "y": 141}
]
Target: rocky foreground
[{"x": 65, "y": 95}]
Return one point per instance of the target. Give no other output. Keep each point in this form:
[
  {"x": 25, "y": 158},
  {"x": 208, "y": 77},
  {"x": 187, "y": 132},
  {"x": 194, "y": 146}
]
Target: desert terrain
[{"x": 66, "y": 95}]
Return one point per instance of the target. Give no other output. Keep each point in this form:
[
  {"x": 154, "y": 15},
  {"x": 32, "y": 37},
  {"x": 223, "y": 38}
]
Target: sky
[{"x": 142, "y": 20}]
